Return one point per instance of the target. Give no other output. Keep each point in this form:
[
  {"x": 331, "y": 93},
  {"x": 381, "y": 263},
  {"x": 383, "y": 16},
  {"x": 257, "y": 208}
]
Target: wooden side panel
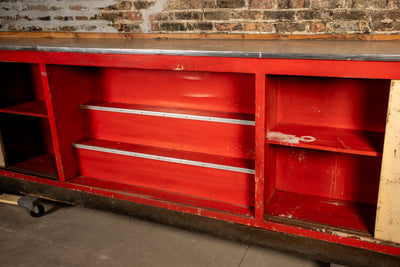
[
  {"x": 388, "y": 212},
  {"x": 2, "y": 154}
]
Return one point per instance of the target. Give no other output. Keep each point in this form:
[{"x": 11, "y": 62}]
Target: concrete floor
[{"x": 76, "y": 236}]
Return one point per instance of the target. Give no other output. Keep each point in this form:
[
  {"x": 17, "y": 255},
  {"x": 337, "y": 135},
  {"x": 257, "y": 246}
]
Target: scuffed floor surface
[{"x": 75, "y": 236}]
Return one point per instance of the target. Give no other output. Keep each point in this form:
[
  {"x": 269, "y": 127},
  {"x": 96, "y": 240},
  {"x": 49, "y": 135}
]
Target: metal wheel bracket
[{"x": 28, "y": 202}]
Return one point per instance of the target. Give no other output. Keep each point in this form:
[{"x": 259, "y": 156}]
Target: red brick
[
  {"x": 142, "y": 4},
  {"x": 261, "y": 4},
  {"x": 285, "y": 4},
  {"x": 81, "y": 18},
  {"x": 259, "y": 27},
  {"x": 231, "y": 3},
  {"x": 76, "y": 7},
  {"x": 176, "y": 4},
  {"x": 369, "y": 4},
  {"x": 202, "y": 26},
  {"x": 328, "y": 3},
  {"x": 134, "y": 15},
  {"x": 343, "y": 27},
  {"x": 382, "y": 26},
  {"x": 317, "y": 27},
  {"x": 229, "y": 27},
  {"x": 46, "y": 18},
  {"x": 110, "y": 16},
  {"x": 290, "y": 27},
  {"x": 279, "y": 15},
  {"x": 313, "y": 15},
  {"x": 172, "y": 26},
  {"x": 32, "y": 29},
  {"x": 350, "y": 15},
  {"x": 55, "y": 8},
  {"x": 125, "y": 5},
  {"x": 248, "y": 15},
  {"x": 217, "y": 15},
  {"x": 386, "y": 15},
  {"x": 128, "y": 27},
  {"x": 121, "y": 5},
  {"x": 67, "y": 28},
  {"x": 40, "y": 7},
  {"x": 162, "y": 16},
  {"x": 187, "y": 15},
  {"x": 64, "y": 18},
  {"x": 189, "y": 4}
]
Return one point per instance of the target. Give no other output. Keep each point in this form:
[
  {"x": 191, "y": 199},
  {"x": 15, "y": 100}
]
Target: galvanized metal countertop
[{"x": 294, "y": 49}]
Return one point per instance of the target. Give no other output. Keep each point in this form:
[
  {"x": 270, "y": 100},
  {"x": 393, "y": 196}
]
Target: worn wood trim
[
  {"x": 74, "y": 35},
  {"x": 2, "y": 153},
  {"x": 9, "y": 199},
  {"x": 387, "y": 225}
]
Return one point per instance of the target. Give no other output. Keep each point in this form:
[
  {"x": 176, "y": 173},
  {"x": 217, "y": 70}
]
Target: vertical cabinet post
[
  {"x": 2, "y": 155},
  {"x": 388, "y": 212},
  {"x": 260, "y": 146}
]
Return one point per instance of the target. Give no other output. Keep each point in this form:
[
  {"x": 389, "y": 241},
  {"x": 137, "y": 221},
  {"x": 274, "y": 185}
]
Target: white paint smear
[
  {"x": 156, "y": 8},
  {"x": 333, "y": 203},
  {"x": 288, "y": 138}
]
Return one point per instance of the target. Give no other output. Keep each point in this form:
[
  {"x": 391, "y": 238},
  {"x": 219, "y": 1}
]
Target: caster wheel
[{"x": 37, "y": 211}]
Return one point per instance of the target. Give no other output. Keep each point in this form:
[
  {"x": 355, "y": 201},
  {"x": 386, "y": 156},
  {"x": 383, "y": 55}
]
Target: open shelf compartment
[
  {"x": 324, "y": 141},
  {"x": 21, "y": 90},
  {"x": 333, "y": 114},
  {"x": 27, "y": 145},
  {"x": 186, "y": 135},
  {"x": 317, "y": 212}
]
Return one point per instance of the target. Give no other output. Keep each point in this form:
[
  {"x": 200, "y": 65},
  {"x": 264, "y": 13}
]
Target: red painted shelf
[
  {"x": 41, "y": 165},
  {"x": 341, "y": 140},
  {"x": 170, "y": 153},
  {"x": 147, "y": 110},
  {"x": 162, "y": 195},
  {"x": 35, "y": 108},
  {"x": 201, "y": 176},
  {"x": 321, "y": 210}
]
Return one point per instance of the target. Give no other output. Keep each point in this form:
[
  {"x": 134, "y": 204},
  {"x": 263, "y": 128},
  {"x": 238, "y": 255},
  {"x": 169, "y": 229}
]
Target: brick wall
[{"x": 203, "y": 16}]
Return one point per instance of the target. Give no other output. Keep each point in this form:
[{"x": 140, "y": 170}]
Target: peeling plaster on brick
[
  {"x": 156, "y": 8},
  {"x": 203, "y": 16},
  {"x": 35, "y": 9}
]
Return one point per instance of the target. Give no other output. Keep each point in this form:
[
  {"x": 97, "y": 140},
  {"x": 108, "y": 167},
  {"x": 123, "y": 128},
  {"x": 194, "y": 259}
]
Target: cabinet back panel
[
  {"x": 225, "y": 139},
  {"x": 20, "y": 82},
  {"x": 225, "y": 186},
  {"x": 24, "y": 137},
  {"x": 226, "y": 92},
  {"x": 328, "y": 174},
  {"x": 333, "y": 102}
]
